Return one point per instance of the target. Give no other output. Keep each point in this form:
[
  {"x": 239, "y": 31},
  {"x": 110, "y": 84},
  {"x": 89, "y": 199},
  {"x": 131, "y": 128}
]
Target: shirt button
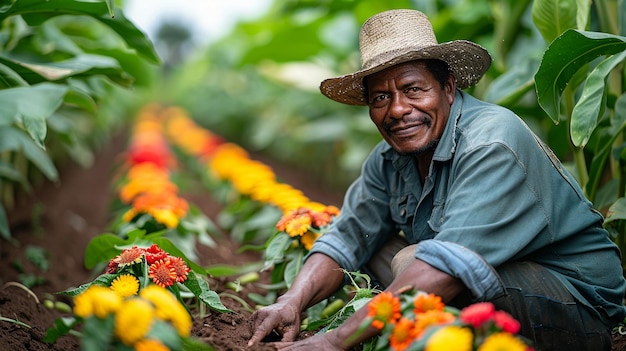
[{"x": 403, "y": 212}]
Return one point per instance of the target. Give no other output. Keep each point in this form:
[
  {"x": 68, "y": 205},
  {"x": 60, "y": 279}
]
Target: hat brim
[{"x": 468, "y": 62}]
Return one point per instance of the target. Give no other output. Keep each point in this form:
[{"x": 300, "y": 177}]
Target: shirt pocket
[
  {"x": 436, "y": 217},
  {"x": 399, "y": 206}
]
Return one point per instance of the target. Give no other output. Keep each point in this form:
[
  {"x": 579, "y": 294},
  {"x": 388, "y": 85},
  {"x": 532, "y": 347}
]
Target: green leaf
[
  {"x": 14, "y": 139},
  {"x": 617, "y": 211},
  {"x": 276, "y": 248},
  {"x": 200, "y": 289},
  {"x": 553, "y": 17},
  {"x": 97, "y": 333},
  {"x": 587, "y": 110},
  {"x": 102, "y": 248},
  {"x": 564, "y": 57},
  {"x": 224, "y": 270},
  {"x": 17, "y": 103},
  {"x": 103, "y": 279},
  {"x": 61, "y": 327},
  {"x": 293, "y": 267}
]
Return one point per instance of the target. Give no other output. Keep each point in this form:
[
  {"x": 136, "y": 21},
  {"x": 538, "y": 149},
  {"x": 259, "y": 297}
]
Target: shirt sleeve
[{"x": 365, "y": 222}]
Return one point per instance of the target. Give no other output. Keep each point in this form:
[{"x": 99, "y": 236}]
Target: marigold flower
[
  {"x": 129, "y": 257},
  {"x": 180, "y": 268},
  {"x": 125, "y": 285},
  {"x": 96, "y": 300},
  {"x": 403, "y": 334},
  {"x": 429, "y": 318},
  {"x": 384, "y": 308},
  {"x": 425, "y": 302},
  {"x": 167, "y": 308},
  {"x": 477, "y": 314},
  {"x": 133, "y": 320},
  {"x": 320, "y": 219},
  {"x": 502, "y": 341},
  {"x": 450, "y": 338},
  {"x": 506, "y": 322},
  {"x": 150, "y": 345},
  {"x": 162, "y": 273}
]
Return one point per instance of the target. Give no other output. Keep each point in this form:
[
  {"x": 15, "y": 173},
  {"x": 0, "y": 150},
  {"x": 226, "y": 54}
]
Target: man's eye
[{"x": 412, "y": 90}]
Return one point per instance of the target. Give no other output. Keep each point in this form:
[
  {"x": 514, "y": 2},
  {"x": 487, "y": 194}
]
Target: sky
[{"x": 209, "y": 19}]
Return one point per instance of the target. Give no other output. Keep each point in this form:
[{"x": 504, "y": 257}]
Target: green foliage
[{"x": 61, "y": 63}]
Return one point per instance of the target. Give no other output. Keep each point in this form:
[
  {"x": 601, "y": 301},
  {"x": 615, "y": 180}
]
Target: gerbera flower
[
  {"x": 425, "y": 302},
  {"x": 477, "y": 314},
  {"x": 129, "y": 257},
  {"x": 133, "y": 320},
  {"x": 502, "y": 342},
  {"x": 167, "y": 308},
  {"x": 320, "y": 219},
  {"x": 96, "y": 300},
  {"x": 402, "y": 335},
  {"x": 162, "y": 273},
  {"x": 450, "y": 338},
  {"x": 430, "y": 318},
  {"x": 298, "y": 225},
  {"x": 125, "y": 285},
  {"x": 180, "y": 268},
  {"x": 384, "y": 308},
  {"x": 506, "y": 322}
]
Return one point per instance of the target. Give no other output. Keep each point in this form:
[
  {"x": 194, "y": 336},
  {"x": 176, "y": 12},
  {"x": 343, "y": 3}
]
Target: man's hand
[{"x": 284, "y": 318}]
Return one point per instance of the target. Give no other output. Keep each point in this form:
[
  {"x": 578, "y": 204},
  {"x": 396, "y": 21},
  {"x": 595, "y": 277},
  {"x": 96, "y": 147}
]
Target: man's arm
[{"x": 319, "y": 277}]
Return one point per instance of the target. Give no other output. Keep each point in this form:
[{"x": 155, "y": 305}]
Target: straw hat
[{"x": 398, "y": 36}]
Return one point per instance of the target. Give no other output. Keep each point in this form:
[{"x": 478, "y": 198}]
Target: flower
[
  {"x": 168, "y": 308},
  {"x": 384, "y": 308},
  {"x": 450, "y": 338},
  {"x": 477, "y": 314},
  {"x": 125, "y": 285},
  {"x": 133, "y": 320},
  {"x": 502, "y": 341},
  {"x": 96, "y": 300},
  {"x": 506, "y": 322},
  {"x": 129, "y": 257},
  {"x": 402, "y": 335},
  {"x": 150, "y": 345},
  {"x": 308, "y": 239},
  {"x": 430, "y": 318},
  {"x": 155, "y": 253},
  {"x": 162, "y": 273},
  {"x": 298, "y": 225},
  {"x": 180, "y": 268},
  {"x": 426, "y": 302}
]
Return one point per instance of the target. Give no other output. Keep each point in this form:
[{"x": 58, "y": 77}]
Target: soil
[{"x": 61, "y": 218}]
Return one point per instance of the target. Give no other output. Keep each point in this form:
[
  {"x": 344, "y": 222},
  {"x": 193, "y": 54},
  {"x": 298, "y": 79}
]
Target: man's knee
[{"x": 403, "y": 259}]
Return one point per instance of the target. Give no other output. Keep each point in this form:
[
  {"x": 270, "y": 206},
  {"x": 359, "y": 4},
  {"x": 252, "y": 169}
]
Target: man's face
[{"x": 409, "y": 106}]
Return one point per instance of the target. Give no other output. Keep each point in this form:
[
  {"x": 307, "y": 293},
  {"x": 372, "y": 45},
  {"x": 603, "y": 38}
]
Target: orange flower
[
  {"x": 425, "y": 302},
  {"x": 180, "y": 268},
  {"x": 128, "y": 257},
  {"x": 384, "y": 308},
  {"x": 477, "y": 314},
  {"x": 298, "y": 225},
  {"x": 308, "y": 239},
  {"x": 430, "y": 318},
  {"x": 162, "y": 273},
  {"x": 402, "y": 335}
]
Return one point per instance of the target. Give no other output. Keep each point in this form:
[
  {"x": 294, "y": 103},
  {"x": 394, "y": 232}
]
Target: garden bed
[{"x": 62, "y": 218}]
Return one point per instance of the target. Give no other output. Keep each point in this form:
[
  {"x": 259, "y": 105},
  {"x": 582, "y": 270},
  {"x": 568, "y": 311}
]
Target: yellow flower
[
  {"x": 133, "y": 320},
  {"x": 298, "y": 225},
  {"x": 168, "y": 308},
  {"x": 308, "y": 239},
  {"x": 125, "y": 285},
  {"x": 502, "y": 341},
  {"x": 450, "y": 338},
  {"x": 97, "y": 300},
  {"x": 150, "y": 345}
]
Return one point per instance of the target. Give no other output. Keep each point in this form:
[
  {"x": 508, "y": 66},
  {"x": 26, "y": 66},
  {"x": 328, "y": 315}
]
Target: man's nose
[{"x": 399, "y": 106}]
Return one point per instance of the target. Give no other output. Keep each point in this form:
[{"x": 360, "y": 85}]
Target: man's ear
[{"x": 450, "y": 88}]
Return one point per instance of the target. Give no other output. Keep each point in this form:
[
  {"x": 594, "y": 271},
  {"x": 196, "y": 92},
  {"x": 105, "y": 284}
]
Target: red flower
[
  {"x": 162, "y": 273},
  {"x": 506, "y": 322},
  {"x": 180, "y": 268},
  {"x": 155, "y": 253},
  {"x": 477, "y": 314}
]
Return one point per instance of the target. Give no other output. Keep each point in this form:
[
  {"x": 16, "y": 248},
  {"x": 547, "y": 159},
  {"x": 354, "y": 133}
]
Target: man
[{"x": 484, "y": 210}]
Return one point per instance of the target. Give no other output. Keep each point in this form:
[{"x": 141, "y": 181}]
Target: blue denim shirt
[{"x": 494, "y": 193}]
